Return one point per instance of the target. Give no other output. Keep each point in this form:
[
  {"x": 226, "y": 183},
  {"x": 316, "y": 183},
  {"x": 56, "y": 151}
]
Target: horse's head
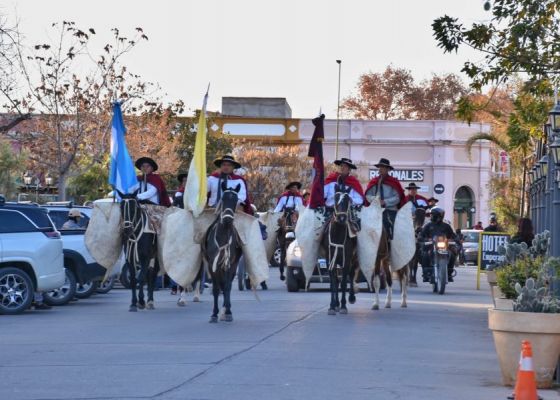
[
  {"x": 228, "y": 203},
  {"x": 130, "y": 211},
  {"x": 289, "y": 218},
  {"x": 419, "y": 217},
  {"x": 342, "y": 203}
]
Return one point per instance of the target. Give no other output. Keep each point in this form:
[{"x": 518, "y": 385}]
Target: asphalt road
[{"x": 284, "y": 346}]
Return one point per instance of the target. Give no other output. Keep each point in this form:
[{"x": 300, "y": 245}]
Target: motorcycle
[{"x": 440, "y": 252}]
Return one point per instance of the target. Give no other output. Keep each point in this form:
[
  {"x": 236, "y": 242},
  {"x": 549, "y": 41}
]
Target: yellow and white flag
[{"x": 196, "y": 188}]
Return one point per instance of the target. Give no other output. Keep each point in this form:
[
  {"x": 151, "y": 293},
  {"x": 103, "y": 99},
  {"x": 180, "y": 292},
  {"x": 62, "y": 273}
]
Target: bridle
[
  {"x": 339, "y": 246},
  {"x": 225, "y": 213},
  {"x": 136, "y": 224}
]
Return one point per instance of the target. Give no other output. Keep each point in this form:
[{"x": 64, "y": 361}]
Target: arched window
[{"x": 463, "y": 208}]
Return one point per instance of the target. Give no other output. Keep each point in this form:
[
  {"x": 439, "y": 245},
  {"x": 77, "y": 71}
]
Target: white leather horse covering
[
  {"x": 270, "y": 220},
  {"x": 403, "y": 245},
  {"x": 369, "y": 237},
  {"x": 309, "y": 229},
  {"x": 182, "y": 240},
  {"x": 103, "y": 237}
]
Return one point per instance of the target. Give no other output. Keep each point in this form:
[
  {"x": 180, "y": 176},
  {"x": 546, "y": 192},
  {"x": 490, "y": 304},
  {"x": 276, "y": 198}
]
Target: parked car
[
  {"x": 31, "y": 257},
  {"x": 470, "y": 245},
  {"x": 295, "y": 278},
  {"x": 82, "y": 268}
]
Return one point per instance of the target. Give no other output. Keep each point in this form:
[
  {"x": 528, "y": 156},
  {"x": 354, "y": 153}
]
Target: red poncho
[
  {"x": 350, "y": 180},
  {"x": 391, "y": 181},
  {"x": 247, "y": 205},
  {"x": 157, "y": 182}
]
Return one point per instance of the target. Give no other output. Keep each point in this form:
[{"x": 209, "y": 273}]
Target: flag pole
[{"x": 339, "y": 62}]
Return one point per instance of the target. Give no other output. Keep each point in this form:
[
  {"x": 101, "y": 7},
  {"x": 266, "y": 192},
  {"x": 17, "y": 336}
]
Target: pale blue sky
[{"x": 264, "y": 48}]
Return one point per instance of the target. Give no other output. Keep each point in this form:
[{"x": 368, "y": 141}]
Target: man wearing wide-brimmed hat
[
  {"x": 389, "y": 192},
  {"x": 151, "y": 187},
  {"x": 291, "y": 198},
  {"x": 179, "y": 194},
  {"x": 418, "y": 201},
  {"x": 345, "y": 166},
  {"x": 227, "y": 165}
]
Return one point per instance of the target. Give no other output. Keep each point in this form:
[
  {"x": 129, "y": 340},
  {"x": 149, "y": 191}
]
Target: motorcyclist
[{"x": 436, "y": 227}]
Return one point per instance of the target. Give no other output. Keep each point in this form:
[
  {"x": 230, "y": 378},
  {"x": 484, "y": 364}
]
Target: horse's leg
[
  {"x": 332, "y": 287},
  {"x": 141, "y": 280},
  {"x": 228, "y": 317},
  {"x": 282, "y": 242},
  {"x": 344, "y": 283},
  {"x": 376, "y": 288},
  {"x": 389, "y": 279},
  {"x": 152, "y": 276},
  {"x": 404, "y": 278},
  {"x": 216, "y": 293},
  {"x": 132, "y": 269},
  {"x": 182, "y": 301}
]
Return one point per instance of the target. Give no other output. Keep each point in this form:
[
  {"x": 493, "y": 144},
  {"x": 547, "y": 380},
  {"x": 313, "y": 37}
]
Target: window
[
  {"x": 471, "y": 237},
  {"x": 59, "y": 217},
  {"x": 14, "y": 222}
]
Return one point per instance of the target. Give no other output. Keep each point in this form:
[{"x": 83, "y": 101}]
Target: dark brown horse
[{"x": 418, "y": 219}]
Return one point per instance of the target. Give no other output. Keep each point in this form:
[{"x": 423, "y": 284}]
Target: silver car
[{"x": 470, "y": 245}]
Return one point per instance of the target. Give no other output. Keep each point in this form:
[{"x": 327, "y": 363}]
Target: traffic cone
[{"x": 526, "y": 384}]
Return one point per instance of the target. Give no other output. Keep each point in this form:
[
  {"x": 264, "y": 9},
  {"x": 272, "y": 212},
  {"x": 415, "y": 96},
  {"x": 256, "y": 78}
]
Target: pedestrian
[
  {"x": 478, "y": 226},
  {"x": 178, "y": 197},
  {"x": 493, "y": 227},
  {"x": 525, "y": 232}
]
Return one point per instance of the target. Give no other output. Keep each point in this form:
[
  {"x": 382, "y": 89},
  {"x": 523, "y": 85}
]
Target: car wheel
[
  {"x": 276, "y": 257},
  {"x": 292, "y": 282},
  {"x": 86, "y": 290},
  {"x": 105, "y": 286},
  {"x": 16, "y": 291},
  {"x": 63, "y": 294}
]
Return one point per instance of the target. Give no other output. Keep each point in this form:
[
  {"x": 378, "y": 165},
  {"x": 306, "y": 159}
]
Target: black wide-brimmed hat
[
  {"x": 295, "y": 183},
  {"x": 412, "y": 185},
  {"x": 346, "y": 161},
  {"x": 181, "y": 176},
  {"x": 384, "y": 163},
  {"x": 433, "y": 199},
  {"x": 218, "y": 162},
  {"x": 146, "y": 160}
]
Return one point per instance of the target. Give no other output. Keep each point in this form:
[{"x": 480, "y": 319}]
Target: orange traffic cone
[{"x": 526, "y": 385}]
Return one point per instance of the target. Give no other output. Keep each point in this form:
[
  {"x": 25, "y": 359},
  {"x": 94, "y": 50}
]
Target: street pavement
[{"x": 281, "y": 346}]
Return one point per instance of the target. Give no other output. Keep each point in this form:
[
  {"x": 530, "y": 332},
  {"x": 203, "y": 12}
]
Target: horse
[
  {"x": 340, "y": 244},
  {"x": 382, "y": 265},
  {"x": 419, "y": 218},
  {"x": 140, "y": 249},
  {"x": 222, "y": 250},
  {"x": 287, "y": 223},
  {"x": 195, "y": 287}
]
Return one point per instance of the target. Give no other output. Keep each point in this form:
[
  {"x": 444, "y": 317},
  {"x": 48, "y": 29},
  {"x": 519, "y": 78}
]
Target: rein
[
  {"x": 225, "y": 249},
  {"x": 332, "y": 244},
  {"x": 137, "y": 224}
]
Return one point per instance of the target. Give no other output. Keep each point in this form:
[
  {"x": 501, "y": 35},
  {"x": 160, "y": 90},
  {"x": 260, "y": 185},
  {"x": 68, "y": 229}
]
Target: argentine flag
[{"x": 122, "y": 175}]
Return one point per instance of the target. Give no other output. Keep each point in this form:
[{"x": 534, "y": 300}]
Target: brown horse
[{"x": 382, "y": 266}]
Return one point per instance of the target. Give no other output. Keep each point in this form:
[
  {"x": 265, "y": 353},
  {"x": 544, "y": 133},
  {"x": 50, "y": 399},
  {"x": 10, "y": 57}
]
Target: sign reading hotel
[
  {"x": 489, "y": 248},
  {"x": 406, "y": 175}
]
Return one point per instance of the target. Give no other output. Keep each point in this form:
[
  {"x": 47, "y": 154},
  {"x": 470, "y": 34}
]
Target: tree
[
  {"x": 394, "y": 94},
  {"x": 12, "y": 164},
  {"x": 522, "y": 36},
  {"x": 72, "y": 88},
  {"x": 217, "y": 145},
  {"x": 268, "y": 169},
  {"x": 92, "y": 184}
]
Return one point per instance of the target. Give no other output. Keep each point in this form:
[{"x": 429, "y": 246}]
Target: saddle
[{"x": 155, "y": 215}]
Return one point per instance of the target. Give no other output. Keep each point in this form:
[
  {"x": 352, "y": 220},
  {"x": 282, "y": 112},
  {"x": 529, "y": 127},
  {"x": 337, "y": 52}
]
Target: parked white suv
[{"x": 31, "y": 257}]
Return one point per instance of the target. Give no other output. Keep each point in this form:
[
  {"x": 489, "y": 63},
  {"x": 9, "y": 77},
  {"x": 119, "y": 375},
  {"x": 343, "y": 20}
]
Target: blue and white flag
[{"x": 122, "y": 175}]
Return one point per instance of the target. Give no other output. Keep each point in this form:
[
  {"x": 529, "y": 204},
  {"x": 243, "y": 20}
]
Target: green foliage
[
  {"x": 522, "y": 269},
  {"x": 12, "y": 165},
  {"x": 521, "y": 36},
  {"x": 92, "y": 183},
  {"x": 534, "y": 297},
  {"x": 216, "y": 145}
]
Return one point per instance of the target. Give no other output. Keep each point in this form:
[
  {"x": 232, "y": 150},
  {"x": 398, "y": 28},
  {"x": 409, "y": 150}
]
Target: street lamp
[
  {"x": 554, "y": 149},
  {"x": 27, "y": 178},
  {"x": 554, "y": 115},
  {"x": 531, "y": 177},
  {"x": 538, "y": 171},
  {"x": 544, "y": 165},
  {"x": 48, "y": 179}
]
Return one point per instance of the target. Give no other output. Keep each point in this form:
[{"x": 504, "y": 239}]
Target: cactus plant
[{"x": 534, "y": 297}]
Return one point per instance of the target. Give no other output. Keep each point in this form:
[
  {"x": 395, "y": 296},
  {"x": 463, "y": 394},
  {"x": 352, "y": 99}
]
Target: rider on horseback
[
  {"x": 226, "y": 165},
  {"x": 390, "y": 193},
  {"x": 356, "y": 193},
  {"x": 291, "y": 198},
  {"x": 151, "y": 188},
  {"x": 436, "y": 227},
  {"x": 417, "y": 200}
]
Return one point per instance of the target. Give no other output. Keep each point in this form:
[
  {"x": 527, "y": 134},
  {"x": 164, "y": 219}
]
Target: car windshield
[
  {"x": 471, "y": 237},
  {"x": 59, "y": 217}
]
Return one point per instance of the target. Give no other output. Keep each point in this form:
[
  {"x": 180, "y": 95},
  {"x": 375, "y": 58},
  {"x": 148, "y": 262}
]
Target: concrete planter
[
  {"x": 509, "y": 328},
  {"x": 503, "y": 304},
  {"x": 492, "y": 279}
]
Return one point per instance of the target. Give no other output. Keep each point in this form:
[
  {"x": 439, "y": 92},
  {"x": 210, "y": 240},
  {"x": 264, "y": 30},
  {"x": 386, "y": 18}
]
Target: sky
[{"x": 263, "y": 48}]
